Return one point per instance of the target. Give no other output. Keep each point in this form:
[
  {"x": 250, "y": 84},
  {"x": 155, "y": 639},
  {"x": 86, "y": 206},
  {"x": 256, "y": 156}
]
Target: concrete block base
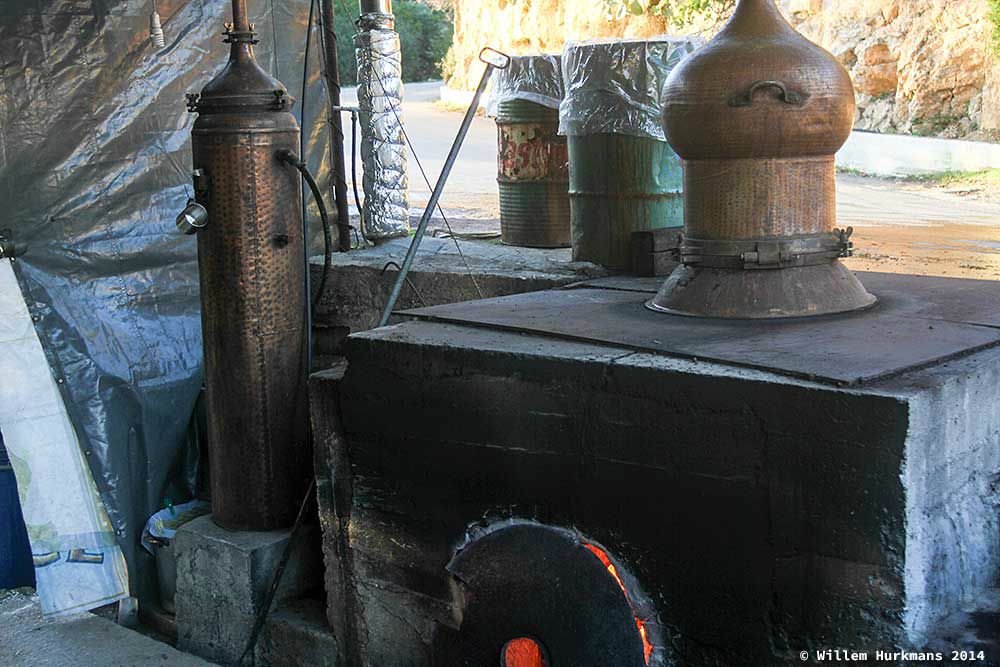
[
  {"x": 297, "y": 635},
  {"x": 763, "y": 514},
  {"x": 222, "y": 578},
  {"x": 361, "y": 281}
]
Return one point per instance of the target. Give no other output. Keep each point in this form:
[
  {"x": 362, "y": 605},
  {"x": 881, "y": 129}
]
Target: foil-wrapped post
[{"x": 383, "y": 145}]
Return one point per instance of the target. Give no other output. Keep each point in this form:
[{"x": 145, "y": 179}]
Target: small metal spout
[{"x": 192, "y": 219}]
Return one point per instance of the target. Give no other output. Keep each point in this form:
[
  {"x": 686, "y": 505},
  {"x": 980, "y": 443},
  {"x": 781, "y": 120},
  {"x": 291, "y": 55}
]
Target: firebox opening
[
  {"x": 640, "y": 624},
  {"x": 523, "y": 652}
]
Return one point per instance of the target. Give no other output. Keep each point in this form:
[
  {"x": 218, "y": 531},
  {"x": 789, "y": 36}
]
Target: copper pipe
[{"x": 240, "y": 21}]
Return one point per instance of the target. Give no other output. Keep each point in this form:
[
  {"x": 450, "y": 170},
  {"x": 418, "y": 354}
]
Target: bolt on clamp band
[{"x": 775, "y": 253}]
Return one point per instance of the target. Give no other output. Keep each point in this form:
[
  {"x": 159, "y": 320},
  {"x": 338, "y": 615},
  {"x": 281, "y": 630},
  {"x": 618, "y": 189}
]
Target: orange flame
[
  {"x": 523, "y": 652},
  {"x": 647, "y": 647}
]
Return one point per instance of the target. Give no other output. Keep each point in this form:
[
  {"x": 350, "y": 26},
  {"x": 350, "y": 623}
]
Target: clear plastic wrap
[
  {"x": 383, "y": 146},
  {"x": 536, "y": 78},
  {"x": 615, "y": 86}
]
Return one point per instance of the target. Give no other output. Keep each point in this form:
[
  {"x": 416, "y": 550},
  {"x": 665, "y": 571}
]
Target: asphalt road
[{"x": 900, "y": 226}]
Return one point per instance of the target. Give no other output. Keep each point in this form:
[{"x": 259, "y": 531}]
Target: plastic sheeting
[
  {"x": 383, "y": 145},
  {"x": 78, "y": 563},
  {"x": 616, "y": 86},
  {"x": 94, "y": 166},
  {"x": 536, "y": 78}
]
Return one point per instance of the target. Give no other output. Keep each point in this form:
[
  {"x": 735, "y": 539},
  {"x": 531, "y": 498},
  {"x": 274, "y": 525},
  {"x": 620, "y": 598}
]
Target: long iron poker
[{"x": 494, "y": 60}]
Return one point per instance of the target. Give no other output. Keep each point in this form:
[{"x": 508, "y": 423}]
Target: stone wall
[
  {"x": 531, "y": 26},
  {"x": 920, "y": 66}
]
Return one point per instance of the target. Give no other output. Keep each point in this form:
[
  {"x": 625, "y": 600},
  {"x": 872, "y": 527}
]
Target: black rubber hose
[
  {"x": 354, "y": 170},
  {"x": 279, "y": 571},
  {"x": 289, "y": 157}
]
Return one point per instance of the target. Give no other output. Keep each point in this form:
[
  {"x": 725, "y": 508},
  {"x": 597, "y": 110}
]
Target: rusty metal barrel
[
  {"x": 251, "y": 256},
  {"x": 620, "y": 184},
  {"x": 533, "y": 176},
  {"x": 532, "y": 163},
  {"x": 624, "y": 177}
]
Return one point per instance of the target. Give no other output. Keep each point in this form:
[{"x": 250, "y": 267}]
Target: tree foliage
[
  {"x": 995, "y": 19},
  {"x": 424, "y": 34},
  {"x": 680, "y": 13}
]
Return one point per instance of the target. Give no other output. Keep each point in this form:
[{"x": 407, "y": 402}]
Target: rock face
[
  {"x": 919, "y": 66},
  {"x": 523, "y": 27}
]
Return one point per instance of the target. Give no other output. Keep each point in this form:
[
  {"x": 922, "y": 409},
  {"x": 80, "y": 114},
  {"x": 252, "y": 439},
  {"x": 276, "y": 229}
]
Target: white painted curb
[{"x": 906, "y": 155}]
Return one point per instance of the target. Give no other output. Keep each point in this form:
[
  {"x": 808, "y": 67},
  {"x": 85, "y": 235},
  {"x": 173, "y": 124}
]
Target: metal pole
[
  {"x": 501, "y": 62},
  {"x": 331, "y": 58}
]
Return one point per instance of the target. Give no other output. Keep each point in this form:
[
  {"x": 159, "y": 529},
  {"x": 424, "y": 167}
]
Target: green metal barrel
[
  {"x": 533, "y": 176},
  {"x": 620, "y": 184}
]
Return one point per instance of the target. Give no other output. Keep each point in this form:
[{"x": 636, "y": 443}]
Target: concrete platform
[
  {"x": 360, "y": 282},
  {"x": 28, "y": 640},
  {"x": 222, "y": 579},
  {"x": 765, "y": 513}
]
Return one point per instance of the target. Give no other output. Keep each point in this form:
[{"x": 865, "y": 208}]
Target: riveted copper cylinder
[
  {"x": 251, "y": 256},
  {"x": 757, "y": 116}
]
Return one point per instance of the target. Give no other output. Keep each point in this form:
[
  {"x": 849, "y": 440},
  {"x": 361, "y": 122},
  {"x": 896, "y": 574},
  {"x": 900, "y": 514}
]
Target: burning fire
[
  {"x": 523, "y": 652},
  {"x": 647, "y": 648}
]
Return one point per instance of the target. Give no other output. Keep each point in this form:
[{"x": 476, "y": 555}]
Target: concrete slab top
[
  {"x": 441, "y": 255},
  {"x": 919, "y": 321}
]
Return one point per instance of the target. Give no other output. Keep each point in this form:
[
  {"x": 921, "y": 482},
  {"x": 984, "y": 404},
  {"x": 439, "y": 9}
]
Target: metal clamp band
[
  {"x": 773, "y": 253},
  {"x": 235, "y": 36}
]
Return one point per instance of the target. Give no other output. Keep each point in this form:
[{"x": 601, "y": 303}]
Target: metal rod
[
  {"x": 331, "y": 59},
  {"x": 435, "y": 196}
]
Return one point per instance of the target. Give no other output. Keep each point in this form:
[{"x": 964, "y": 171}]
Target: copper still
[
  {"x": 757, "y": 116},
  {"x": 251, "y": 256}
]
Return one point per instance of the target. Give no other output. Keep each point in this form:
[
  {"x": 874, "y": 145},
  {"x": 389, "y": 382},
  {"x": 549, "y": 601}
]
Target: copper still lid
[
  {"x": 243, "y": 86},
  {"x": 757, "y": 116}
]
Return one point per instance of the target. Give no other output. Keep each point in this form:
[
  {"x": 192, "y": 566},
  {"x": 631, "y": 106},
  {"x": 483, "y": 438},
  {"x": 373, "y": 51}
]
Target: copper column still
[
  {"x": 251, "y": 255},
  {"x": 757, "y": 116}
]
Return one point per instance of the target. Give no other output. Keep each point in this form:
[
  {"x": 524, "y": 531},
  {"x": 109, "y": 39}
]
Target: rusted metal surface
[
  {"x": 757, "y": 116},
  {"x": 251, "y": 258},
  {"x": 533, "y": 176}
]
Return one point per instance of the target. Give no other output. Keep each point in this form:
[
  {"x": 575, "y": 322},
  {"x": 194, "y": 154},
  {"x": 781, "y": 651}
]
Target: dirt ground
[{"x": 945, "y": 247}]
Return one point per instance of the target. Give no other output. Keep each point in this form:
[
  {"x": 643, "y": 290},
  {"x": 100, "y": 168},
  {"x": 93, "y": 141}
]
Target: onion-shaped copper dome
[{"x": 757, "y": 116}]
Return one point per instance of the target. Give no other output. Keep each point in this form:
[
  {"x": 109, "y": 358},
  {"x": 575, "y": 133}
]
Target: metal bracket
[
  {"x": 8, "y": 250},
  {"x": 202, "y": 182}
]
